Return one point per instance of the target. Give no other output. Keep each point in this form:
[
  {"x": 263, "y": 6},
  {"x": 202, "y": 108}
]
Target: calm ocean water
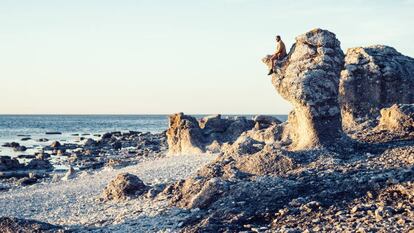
[{"x": 16, "y": 127}]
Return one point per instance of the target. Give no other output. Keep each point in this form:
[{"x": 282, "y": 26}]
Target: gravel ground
[{"x": 75, "y": 204}]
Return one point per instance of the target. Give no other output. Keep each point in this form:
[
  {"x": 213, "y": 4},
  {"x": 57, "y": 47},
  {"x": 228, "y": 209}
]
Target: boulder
[
  {"x": 55, "y": 144},
  {"x": 373, "y": 78},
  {"x": 106, "y": 136},
  {"x": 271, "y": 134},
  {"x": 7, "y": 163},
  {"x": 243, "y": 145},
  {"x": 39, "y": 164},
  {"x": 11, "y": 144},
  {"x": 207, "y": 194},
  {"x": 42, "y": 140},
  {"x": 267, "y": 120},
  {"x": 124, "y": 186},
  {"x": 11, "y": 224},
  {"x": 238, "y": 126},
  {"x": 309, "y": 79},
  {"x": 90, "y": 142},
  {"x": 214, "y": 124},
  {"x": 266, "y": 162},
  {"x": 20, "y": 148},
  {"x": 397, "y": 118},
  {"x": 25, "y": 181}
]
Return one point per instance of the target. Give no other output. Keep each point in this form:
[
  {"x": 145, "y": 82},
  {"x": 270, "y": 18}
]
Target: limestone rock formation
[
  {"x": 276, "y": 175},
  {"x": 309, "y": 79},
  {"x": 124, "y": 186},
  {"x": 374, "y": 77},
  {"x": 184, "y": 135},
  {"x": 397, "y": 118},
  {"x": 187, "y": 135}
]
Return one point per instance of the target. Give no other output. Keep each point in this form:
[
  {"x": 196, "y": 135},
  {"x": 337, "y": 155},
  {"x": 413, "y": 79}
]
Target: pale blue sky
[{"x": 136, "y": 56}]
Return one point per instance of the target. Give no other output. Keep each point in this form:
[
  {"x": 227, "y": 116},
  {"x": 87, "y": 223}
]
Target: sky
[{"x": 162, "y": 57}]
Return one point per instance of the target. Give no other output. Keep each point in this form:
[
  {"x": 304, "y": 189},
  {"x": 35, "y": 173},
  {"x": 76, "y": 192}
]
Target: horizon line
[{"x": 131, "y": 114}]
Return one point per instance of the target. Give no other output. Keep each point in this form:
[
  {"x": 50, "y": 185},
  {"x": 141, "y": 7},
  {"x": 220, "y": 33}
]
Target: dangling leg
[{"x": 272, "y": 60}]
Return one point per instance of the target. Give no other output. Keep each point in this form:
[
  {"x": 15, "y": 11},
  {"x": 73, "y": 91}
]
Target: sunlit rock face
[
  {"x": 187, "y": 135},
  {"x": 184, "y": 135},
  {"x": 373, "y": 78},
  {"x": 398, "y": 118},
  {"x": 309, "y": 79}
]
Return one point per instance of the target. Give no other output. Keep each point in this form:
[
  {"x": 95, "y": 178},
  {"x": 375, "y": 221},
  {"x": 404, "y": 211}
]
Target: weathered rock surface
[
  {"x": 124, "y": 186},
  {"x": 309, "y": 79},
  {"x": 285, "y": 189},
  {"x": 284, "y": 177},
  {"x": 374, "y": 77},
  {"x": 11, "y": 225},
  {"x": 397, "y": 118},
  {"x": 186, "y": 135}
]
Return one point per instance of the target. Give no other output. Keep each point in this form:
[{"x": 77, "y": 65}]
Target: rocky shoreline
[
  {"x": 342, "y": 162},
  {"x": 113, "y": 149}
]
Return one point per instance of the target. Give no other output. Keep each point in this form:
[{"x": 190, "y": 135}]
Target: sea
[{"x": 31, "y": 128}]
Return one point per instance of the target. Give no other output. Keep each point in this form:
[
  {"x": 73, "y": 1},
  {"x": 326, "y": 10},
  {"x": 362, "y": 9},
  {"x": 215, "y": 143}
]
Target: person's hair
[{"x": 278, "y": 37}]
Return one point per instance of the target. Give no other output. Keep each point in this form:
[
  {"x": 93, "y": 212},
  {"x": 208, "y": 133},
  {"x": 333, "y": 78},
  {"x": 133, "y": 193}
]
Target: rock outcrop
[
  {"x": 187, "y": 135},
  {"x": 397, "y": 118},
  {"x": 280, "y": 176},
  {"x": 309, "y": 79},
  {"x": 124, "y": 186},
  {"x": 184, "y": 135},
  {"x": 374, "y": 77}
]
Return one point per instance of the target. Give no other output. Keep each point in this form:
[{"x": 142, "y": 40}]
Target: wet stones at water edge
[
  {"x": 16, "y": 146},
  {"x": 8, "y": 163}
]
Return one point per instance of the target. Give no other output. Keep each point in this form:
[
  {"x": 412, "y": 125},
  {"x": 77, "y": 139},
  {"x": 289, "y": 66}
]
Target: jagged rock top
[
  {"x": 373, "y": 78},
  {"x": 315, "y": 54}
]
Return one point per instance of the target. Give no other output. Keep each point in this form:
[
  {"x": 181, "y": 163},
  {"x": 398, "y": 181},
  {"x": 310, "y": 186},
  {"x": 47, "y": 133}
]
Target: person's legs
[{"x": 272, "y": 60}]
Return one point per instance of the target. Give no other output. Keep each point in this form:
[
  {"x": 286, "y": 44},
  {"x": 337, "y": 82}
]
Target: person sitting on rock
[{"x": 279, "y": 54}]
